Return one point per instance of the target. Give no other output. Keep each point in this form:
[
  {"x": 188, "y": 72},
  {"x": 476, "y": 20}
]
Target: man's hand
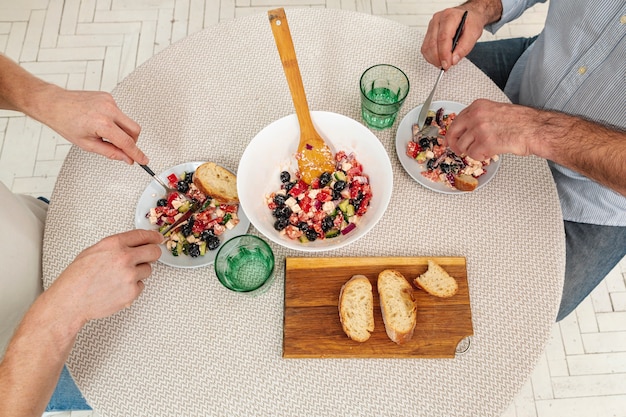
[
  {"x": 486, "y": 128},
  {"x": 437, "y": 46},
  {"x": 107, "y": 276}
]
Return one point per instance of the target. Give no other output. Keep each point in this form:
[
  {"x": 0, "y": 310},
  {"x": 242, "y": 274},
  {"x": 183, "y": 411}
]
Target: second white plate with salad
[{"x": 415, "y": 169}]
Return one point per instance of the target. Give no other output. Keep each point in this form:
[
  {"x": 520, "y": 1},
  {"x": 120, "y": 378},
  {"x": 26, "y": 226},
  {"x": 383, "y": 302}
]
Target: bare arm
[
  {"x": 103, "y": 279},
  {"x": 88, "y": 119},
  {"x": 486, "y": 128},
  {"x": 437, "y": 45}
]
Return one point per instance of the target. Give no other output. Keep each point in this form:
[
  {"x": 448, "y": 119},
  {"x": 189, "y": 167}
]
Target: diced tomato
[
  {"x": 173, "y": 179},
  {"x": 315, "y": 184},
  {"x": 340, "y": 155},
  {"x": 412, "y": 149},
  {"x": 355, "y": 170},
  {"x": 198, "y": 227},
  {"x": 364, "y": 205},
  {"x": 299, "y": 188},
  {"x": 218, "y": 229},
  {"x": 229, "y": 208},
  {"x": 171, "y": 198},
  {"x": 293, "y": 232},
  {"x": 355, "y": 187},
  {"x": 324, "y": 195},
  {"x": 305, "y": 203}
]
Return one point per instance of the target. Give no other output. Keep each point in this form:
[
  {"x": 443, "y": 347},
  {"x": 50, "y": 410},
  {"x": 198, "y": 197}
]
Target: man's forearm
[
  {"x": 592, "y": 149},
  {"x": 34, "y": 359}
]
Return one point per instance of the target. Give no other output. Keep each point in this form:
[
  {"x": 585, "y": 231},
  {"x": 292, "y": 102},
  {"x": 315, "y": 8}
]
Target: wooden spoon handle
[{"x": 284, "y": 43}]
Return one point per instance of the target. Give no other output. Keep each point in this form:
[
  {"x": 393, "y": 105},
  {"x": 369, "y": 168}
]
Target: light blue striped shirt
[{"x": 578, "y": 66}]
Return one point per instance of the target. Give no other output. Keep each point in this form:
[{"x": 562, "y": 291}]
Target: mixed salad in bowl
[{"x": 330, "y": 207}]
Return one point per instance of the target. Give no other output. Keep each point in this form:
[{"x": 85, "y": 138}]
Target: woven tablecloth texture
[{"x": 189, "y": 347}]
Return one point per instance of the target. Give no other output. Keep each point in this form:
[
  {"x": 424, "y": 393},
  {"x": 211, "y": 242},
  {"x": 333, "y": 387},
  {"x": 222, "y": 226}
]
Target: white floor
[{"x": 93, "y": 44}]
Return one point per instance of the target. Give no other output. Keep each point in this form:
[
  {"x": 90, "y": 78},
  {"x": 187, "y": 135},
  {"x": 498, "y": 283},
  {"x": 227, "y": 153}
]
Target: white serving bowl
[{"x": 273, "y": 150}]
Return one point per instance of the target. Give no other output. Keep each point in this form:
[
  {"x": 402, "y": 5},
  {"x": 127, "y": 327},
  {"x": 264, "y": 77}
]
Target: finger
[
  {"x": 445, "y": 35},
  {"x": 107, "y": 149},
  {"x": 143, "y": 272},
  {"x": 139, "y": 237},
  {"x": 118, "y": 137},
  {"x": 429, "y": 46},
  {"x": 145, "y": 254}
]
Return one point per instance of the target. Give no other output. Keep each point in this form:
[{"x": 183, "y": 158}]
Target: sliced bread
[
  {"x": 464, "y": 182},
  {"x": 356, "y": 308},
  {"x": 216, "y": 182},
  {"x": 397, "y": 305},
  {"x": 436, "y": 281}
]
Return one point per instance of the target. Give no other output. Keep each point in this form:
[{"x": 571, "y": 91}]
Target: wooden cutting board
[{"x": 311, "y": 324}]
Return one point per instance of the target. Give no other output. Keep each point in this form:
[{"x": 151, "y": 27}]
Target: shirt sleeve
[{"x": 511, "y": 10}]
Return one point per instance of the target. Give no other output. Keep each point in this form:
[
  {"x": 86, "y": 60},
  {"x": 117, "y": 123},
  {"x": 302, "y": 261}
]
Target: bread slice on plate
[
  {"x": 436, "y": 281},
  {"x": 217, "y": 182},
  {"x": 356, "y": 308},
  {"x": 464, "y": 182},
  {"x": 397, "y": 305}
]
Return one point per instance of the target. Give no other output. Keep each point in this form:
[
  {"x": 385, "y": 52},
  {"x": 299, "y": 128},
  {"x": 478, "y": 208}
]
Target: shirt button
[
  {"x": 582, "y": 70},
  {"x": 622, "y": 20}
]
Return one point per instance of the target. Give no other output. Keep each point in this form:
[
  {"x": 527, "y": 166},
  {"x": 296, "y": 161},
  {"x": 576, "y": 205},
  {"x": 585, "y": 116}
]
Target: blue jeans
[
  {"x": 66, "y": 395},
  {"x": 592, "y": 251}
]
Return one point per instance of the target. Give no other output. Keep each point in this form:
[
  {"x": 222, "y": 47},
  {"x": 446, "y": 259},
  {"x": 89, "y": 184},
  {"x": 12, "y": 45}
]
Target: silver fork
[{"x": 169, "y": 190}]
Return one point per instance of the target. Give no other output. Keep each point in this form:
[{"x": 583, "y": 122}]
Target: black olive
[
  {"x": 424, "y": 143},
  {"x": 325, "y": 179},
  {"x": 429, "y": 121},
  {"x": 282, "y": 212},
  {"x": 285, "y": 177},
  {"x": 339, "y": 185},
  {"x": 280, "y": 199},
  {"x": 430, "y": 164},
  {"x": 194, "y": 250},
  {"x": 187, "y": 228},
  {"x": 445, "y": 168},
  {"x": 289, "y": 185},
  {"x": 189, "y": 177},
  {"x": 304, "y": 226},
  {"x": 182, "y": 186},
  {"x": 213, "y": 243},
  {"x": 162, "y": 202},
  {"x": 327, "y": 223},
  {"x": 280, "y": 224},
  {"x": 311, "y": 234},
  {"x": 336, "y": 195},
  {"x": 207, "y": 234}
]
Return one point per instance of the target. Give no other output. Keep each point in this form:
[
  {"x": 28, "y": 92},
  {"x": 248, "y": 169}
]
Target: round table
[{"x": 188, "y": 346}]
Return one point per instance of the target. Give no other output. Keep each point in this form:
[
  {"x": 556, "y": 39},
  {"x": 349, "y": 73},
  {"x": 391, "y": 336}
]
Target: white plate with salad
[
  {"x": 416, "y": 169},
  {"x": 203, "y": 255}
]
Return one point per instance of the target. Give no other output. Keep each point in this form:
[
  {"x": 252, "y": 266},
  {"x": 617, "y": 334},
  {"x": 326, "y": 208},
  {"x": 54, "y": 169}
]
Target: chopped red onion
[
  {"x": 348, "y": 228},
  {"x": 309, "y": 147}
]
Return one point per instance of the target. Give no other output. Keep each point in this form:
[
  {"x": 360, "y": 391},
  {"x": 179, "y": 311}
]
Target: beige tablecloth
[{"x": 189, "y": 347}]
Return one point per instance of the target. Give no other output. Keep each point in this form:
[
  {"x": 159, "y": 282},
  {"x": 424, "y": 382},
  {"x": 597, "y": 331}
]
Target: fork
[{"x": 169, "y": 190}]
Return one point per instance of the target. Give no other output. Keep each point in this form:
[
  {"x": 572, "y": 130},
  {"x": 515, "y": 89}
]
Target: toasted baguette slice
[
  {"x": 397, "y": 306},
  {"x": 464, "y": 182},
  {"x": 216, "y": 182},
  {"x": 356, "y": 308},
  {"x": 436, "y": 281}
]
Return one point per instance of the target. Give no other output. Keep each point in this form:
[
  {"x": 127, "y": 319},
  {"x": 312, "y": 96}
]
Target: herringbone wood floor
[{"x": 94, "y": 44}]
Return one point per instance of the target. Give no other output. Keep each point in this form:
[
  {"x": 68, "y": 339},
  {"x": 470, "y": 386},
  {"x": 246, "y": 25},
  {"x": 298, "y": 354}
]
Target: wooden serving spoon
[{"x": 314, "y": 156}]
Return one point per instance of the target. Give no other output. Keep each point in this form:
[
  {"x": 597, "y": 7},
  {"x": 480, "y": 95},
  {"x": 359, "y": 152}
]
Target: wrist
[{"x": 489, "y": 10}]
